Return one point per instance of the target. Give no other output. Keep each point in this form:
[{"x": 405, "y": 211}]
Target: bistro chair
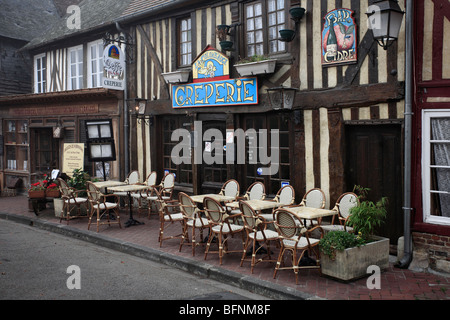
[
  {"x": 169, "y": 213},
  {"x": 256, "y": 191},
  {"x": 343, "y": 206},
  {"x": 294, "y": 238},
  {"x": 150, "y": 182},
  {"x": 192, "y": 219},
  {"x": 71, "y": 200},
  {"x": 221, "y": 226},
  {"x": 103, "y": 206},
  {"x": 132, "y": 178},
  {"x": 314, "y": 198},
  {"x": 230, "y": 189},
  {"x": 165, "y": 190},
  {"x": 285, "y": 197},
  {"x": 257, "y": 235}
]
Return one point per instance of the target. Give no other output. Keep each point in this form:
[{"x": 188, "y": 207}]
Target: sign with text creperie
[
  {"x": 113, "y": 68},
  {"x": 212, "y": 85},
  {"x": 73, "y": 157}
]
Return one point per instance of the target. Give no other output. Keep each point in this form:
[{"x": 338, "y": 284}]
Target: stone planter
[
  {"x": 352, "y": 263},
  {"x": 179, "y": 76},
  {"x": 255, "y": 68}
]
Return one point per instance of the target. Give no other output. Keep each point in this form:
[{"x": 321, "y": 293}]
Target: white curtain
[{"x": 441, "y": 131}]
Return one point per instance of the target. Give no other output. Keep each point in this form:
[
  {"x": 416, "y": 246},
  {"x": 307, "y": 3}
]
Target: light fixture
[
  {"x": 297, "y": 13},
  {"x": 282, "y": 97},
  {"x": 385, "y": 20},
  {"x": 138, "y": 107}
]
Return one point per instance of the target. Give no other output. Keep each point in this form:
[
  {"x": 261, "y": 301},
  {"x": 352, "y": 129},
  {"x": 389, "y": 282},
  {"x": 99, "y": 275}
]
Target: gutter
[
  {"x": 126, "y": 124},
  {"x": 407, "y": 257}
]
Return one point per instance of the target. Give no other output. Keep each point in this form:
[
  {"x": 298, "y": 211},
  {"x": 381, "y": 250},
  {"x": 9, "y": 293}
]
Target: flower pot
[
  {"x": 226, "y": 45},
  {"x": 179, "y": 76},
  {"x": 254, "y": 68},
  {"x": 36, "y": 194},
  {"x": 287, "y": 35},
  {"x": 297, "y": 12},
  {"x": 352, "y": 263},
  {"x": 52, "y": 193}
]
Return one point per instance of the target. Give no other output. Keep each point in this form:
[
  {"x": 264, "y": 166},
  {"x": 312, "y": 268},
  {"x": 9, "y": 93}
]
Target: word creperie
[{"x": 215, "y": 93}]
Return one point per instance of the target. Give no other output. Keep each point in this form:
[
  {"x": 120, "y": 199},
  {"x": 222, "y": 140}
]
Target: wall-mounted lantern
[
  {"x": 297, "y": 13},
  {"x": 282, "y": 97},
  {"x": 138, "y": 107},
  {"x": 385, "y": 20}
]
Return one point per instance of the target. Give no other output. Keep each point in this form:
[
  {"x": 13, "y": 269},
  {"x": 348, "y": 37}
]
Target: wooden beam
[{"x": 350, "y": 96}]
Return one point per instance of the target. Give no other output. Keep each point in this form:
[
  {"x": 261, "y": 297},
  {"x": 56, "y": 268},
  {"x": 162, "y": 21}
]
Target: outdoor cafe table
[
  {"x": 129, "y": 188},
  {"x": 217, "y": 197},
  {"x": 308, "y": 213},
  {"x": 109, "y": 183},
  {"x": 257, "y": 205}
]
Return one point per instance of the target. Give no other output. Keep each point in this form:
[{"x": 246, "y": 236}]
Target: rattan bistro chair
[
  {"x": 256, "y": 191},
  {"x": 343, "y": 206},
  {"x": 230, "y": 189},
  {"x": 192, "y": 219},
  {"x": 103, "y": 206},
  {"x": 132, "y": 178},
  {"x": 71, "y": 200},
  {"x": 285, "y": 197},
  {"x": 294, "y": 237},
  {"x": 150, "y": 182},
  {"x": 165, "y": 190},
  {"x": 169, "y": 213},
  {"x": 222, "y": 227},
  {"x": 257, "y": 235}
]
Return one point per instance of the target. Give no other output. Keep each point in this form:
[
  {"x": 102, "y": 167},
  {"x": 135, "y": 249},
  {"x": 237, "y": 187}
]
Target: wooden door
[{"x": 374, "y": 161}]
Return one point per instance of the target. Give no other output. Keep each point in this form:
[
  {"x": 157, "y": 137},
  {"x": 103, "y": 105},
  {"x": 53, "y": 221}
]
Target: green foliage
[
  {"x": 337, "y": 241},
  {"x": 78, "y": 180},
  {"x": 254, "y": 58},
  {"x": 367, "y": 216}
]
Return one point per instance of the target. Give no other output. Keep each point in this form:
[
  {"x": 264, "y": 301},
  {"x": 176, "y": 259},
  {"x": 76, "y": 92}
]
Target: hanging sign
[
  {"x": 339, "y": 38},
  {"x": 113, "y": 68},
  {"x": 212, "y": 85}
]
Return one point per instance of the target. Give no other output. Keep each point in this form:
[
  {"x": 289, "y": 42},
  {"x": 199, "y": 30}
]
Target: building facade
[{"x": 344, "y": 129}]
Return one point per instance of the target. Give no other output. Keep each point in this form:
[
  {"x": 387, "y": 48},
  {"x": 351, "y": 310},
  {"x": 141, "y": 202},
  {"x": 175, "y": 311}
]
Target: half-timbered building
[{"x": 344, "y": 129}]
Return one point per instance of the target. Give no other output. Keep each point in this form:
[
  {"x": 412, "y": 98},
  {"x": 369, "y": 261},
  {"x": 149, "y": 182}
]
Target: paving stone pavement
[{"x": 142, "y": 240}]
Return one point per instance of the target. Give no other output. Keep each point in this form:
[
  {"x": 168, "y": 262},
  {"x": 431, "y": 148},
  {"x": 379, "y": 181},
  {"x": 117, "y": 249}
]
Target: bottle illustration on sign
[
  {"x": 339, "y": 38},
  {"x": 332, "y": 44}
]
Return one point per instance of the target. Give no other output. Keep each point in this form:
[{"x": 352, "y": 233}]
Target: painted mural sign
[
  {"x": 339, "y": 38},
  {"x": 212, "y": 85}
]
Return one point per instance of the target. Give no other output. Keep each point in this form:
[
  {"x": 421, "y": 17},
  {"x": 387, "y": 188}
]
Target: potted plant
[
  {"x": 222, "y": 31},
  {"x": 78, "y": 181},
  {"x": 346, "y": 256},
  {"x": 256, "y": 64},
  {"x": 37, "y": 190}
]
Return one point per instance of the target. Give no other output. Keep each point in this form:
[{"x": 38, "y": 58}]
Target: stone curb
[{"x": 245, "y": 282}]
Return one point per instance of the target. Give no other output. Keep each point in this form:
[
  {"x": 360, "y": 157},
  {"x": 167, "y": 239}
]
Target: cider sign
[{"x": 339, "y": 38}]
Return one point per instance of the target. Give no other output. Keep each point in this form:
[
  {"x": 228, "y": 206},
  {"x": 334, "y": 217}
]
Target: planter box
[
  {"x": 254, "y": 68},
  {"x": 36, "y": 194},
  {"x": 179, "y": 76},
  {"x": 352, "y": 263},
  {"x": 52, "y": 193}
]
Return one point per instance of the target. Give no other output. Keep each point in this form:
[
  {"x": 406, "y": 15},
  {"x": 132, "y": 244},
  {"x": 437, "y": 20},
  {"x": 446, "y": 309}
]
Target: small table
[
  {"x": 217, "y": 197},
  {"x": 108, "y": 184},
  {"x": 308, "y": 213},
  {"x": 257, "y": 205},
  {"x": 129, "y": 188}
]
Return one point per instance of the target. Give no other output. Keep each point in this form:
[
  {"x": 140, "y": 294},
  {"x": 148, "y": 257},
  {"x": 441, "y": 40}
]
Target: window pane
[
  {"x": 259, "y": 36},
  {"x": 258, "y": 23},
  {"x": 271, "y": 5},
  {"x": 250, "y": 13}
]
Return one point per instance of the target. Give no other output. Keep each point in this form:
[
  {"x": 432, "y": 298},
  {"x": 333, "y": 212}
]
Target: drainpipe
[
  {"x": 407, "y": 257},
  {"x": 126, "y": 125}
]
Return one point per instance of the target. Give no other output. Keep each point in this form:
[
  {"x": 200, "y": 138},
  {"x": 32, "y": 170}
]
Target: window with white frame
[
  {"x": 75, "y": 68},
  {"x": 95, "y": 63},
  {"x": 436, "y": 166},
  {"x": 260, "y": 26},
  {"x": 40, "y": 73},
  {"x": 185, "y": 41}
]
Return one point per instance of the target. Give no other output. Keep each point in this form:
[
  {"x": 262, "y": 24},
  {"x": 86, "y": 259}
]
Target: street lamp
[
  {"x": 282, "y": 97},
  {"x": 138, "y": 106},
  {"x": 385, "y": 20}
]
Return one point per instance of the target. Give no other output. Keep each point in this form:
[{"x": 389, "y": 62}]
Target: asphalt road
[{"x": 40, "y": 265}]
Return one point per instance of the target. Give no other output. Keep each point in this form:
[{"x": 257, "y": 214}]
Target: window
[
  {"x": 40, "y": 73},
  {"x": 260, "y": 26},
  {"x": 185, "y": 40},
  {"x": 95, "y": 64},
  {"x": 436, "y": 166},
  {"x": 75, "y": 68}
]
